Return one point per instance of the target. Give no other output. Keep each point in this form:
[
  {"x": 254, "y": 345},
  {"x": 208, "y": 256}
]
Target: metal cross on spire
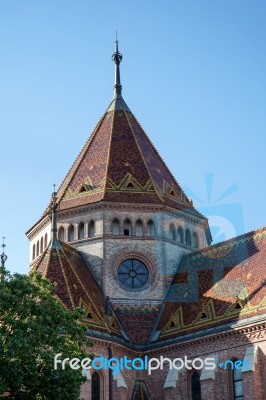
[{"x": 117, "y": 58}]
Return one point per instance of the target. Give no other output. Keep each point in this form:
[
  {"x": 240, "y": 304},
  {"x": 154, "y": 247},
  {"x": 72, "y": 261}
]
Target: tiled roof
[
  {"x": 137, "y": 321},
  {"x": 140, "y": 391},
  {"x": 75, "y": 285},
  {"x": 222, "y": 283},
  {"x": 119, "y": 163}
]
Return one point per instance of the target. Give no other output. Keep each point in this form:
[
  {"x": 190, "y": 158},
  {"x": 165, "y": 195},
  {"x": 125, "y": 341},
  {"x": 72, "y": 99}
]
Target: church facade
[{"x": 130, "y": 248}]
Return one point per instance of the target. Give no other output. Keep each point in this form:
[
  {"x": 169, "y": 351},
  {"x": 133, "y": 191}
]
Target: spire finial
[
  {"x": 54, "y": 206},
  {"x": 3, "y": 255},
  {"x": 117, "y": 58}
]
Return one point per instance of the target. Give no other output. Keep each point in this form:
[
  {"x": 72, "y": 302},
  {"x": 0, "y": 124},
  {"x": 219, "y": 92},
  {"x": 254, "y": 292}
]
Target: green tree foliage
[{"x": 34, "y": 327}]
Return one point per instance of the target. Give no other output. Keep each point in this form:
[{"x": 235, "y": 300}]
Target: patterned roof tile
[
  {"x": 137, "y": 323},
  {"x": 222, "y": 283},
  {"x": 117, "y": 148},
  {"x": 75, "y": 285}
]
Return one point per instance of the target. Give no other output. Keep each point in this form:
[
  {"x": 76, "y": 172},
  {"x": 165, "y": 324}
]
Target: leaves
[{"x": 34, "y": 327}]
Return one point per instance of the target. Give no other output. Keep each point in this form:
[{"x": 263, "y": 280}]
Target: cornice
[
  {"x": 37, "y": 228},
  {"x": 215, "y": 342},
  {"x": 104, "y": 206}
]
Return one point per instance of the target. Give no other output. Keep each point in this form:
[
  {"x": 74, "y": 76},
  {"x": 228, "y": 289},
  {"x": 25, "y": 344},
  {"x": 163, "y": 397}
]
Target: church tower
[
  {"x": 122, "y": 209},
  {"x": 121, "y": 239}
]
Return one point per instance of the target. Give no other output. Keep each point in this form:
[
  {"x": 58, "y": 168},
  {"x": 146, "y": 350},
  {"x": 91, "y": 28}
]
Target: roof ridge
[
  {"x": 65, "y": 244},
  {"x": 77, "y": 160},
  {"x": 82, "y": 285},
  {"x": 108, "y": 160},
  {"x": 143, "y": 158},
  {"x": 162, "y": 160},
  {"x": 49, "y": 249},
  {"x": 71, "y": 276},
  {"x": 65, "y": 276}
]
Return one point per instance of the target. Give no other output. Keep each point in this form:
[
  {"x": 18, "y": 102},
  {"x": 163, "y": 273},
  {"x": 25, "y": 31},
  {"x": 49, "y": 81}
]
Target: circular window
[{"x": 133, "y": 273}]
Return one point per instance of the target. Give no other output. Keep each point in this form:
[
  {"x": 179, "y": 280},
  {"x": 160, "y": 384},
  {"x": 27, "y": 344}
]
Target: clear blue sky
[{"x": 193, "y": 73}]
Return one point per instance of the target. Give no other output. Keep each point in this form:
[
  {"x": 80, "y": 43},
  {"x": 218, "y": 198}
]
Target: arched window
[
  {"x": 127, "y": 227},
  {"x": 188, "y": 237},
  {"x": 196, "y": 240},
  {"x": 45, "y": 241},
  {"x": 33, "y": 251},
  {"x": 180, "y": 234},
  {"x": 139, "y": 228},
  {"x": 237, "y": 383},
  {"x": 71, "y": 233},
  {"x": 38, "y": 249},
  {"x": 95, "y": 386},
  {"x": 81, "y": 231},
  {"x": 172, "y": 232},
  {"x": 61, "y": 233},
  {"x": 41, "y": 245},
  {"x": 150, "y": 228},
  {"x": 91, "y": 229},
  {"x": 195, "y": 386},
  {"x": 115, "y": 227}
]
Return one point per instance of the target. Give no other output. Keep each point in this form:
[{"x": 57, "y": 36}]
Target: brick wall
[{"x": 220, "y": 387}]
